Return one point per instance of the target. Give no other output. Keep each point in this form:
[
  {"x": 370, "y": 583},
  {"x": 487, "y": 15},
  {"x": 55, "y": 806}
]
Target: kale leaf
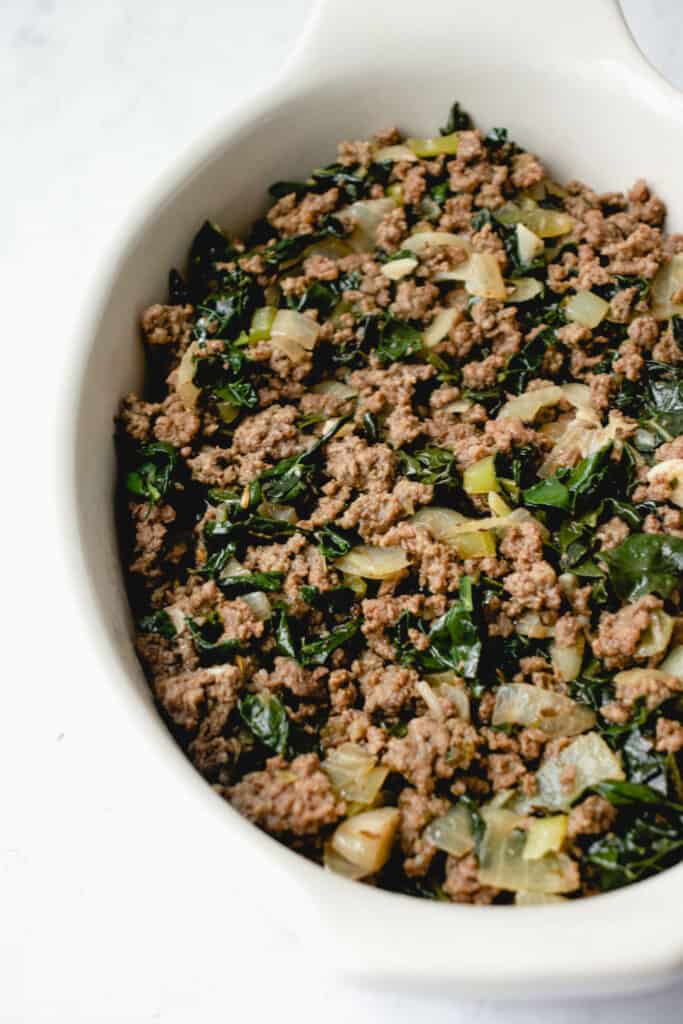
[
  {"x": 645, "y": 563},
  {"x": 152, "y": 477},
  {"x": 458, "y": 120},
  {"x": 210, "y": 246},
  {"x": 336, "y": 599},
  {"x": 570, "y": 490},
  {"x": 335, "y": 542},
  {"x": 208, "y": 642},
  {"x": 429, "y": 465},
  {"x": 398, "y": 340},
  {"x": 646, "y": 838},
  {"x": 283, "y": 634},
  {"x": 656, "y": 400},
  {"x": 248, "y": 582},
  {"x": 293, "y": 477},
  {"x": 454, "y": 641},
  {"x": 158, "y": 622},
  {"x": 265, "y": 716},
  {"x": 318, "y": 650}
]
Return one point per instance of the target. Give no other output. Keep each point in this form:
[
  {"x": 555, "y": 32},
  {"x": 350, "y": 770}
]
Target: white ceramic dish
[{"x": 568, "y": 81}]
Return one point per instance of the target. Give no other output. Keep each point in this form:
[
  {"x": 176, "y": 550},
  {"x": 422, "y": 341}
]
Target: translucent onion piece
[
  {"x": 635, "y": 680},
  {"x": 502, "y": 864},
  {"x": 354, "y": 773},
  {"x": 396, "y": 269},
  {"x": 670, "y": 474},
  {"x": 480, "y": 477},
  {"x": 339, "y": 865},
  {"x": 439, "y": 327},
  {"x": 189, "y": 392},
  {"x": 582, "y": 438},
  {"x": 545, "y": 835},
  {"x": 392, "y": 154},
  {"x": 332, "y": 248},
  {"x": 527, "y": 406},
  {"x": 430, "y": 698},
  {"x": 586, "y": 308},
  {"x": 544, "y": 223},
  {"x": 547, "y": 223},
  {"x": 373, "y": 563},
  {"x": 672, "y": 664},
  {"x": 484, "y": 278},
  {"x": 451, "y": 686},
  {"x": 296, "y": 327},
  {"x": 366, "y": 839},
  {"x": 285, "y": 513},
  {"x": 417, "y": 242},
  {"x": 259, "y": 604},
  {"x": 365, "y": 215},
  {"x": 580, "y": 397},
  {"x": 529, "y": 245},
  {"x": 667, "y": 281},
  {"x": 536, "y": 899},
  {"x": 552, "y": 713},
  {"x": 452, "y": 832},
  {"x": 585, "y": 762},
  {"x": 440, "y": 522},
  {"x": 334, "y": 387},
  {"x": 530, "y": 624},
  {"x": 523, "y": 289},
  {"x": 657, "y": 636},
  {"x": 567, "y": 661},
  {"x": 461, "y": 405}
]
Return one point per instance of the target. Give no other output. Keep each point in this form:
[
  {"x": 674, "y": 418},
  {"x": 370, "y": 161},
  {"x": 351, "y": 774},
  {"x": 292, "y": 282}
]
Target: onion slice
[
  {"x": 373, "y": 563},
  {"x": 366, "y": 839},
  {"x": 531, "y": 706}
]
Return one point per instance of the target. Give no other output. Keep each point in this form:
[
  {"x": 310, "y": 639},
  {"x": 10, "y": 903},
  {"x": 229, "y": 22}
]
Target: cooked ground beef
[{"x": 393, "y": 544}]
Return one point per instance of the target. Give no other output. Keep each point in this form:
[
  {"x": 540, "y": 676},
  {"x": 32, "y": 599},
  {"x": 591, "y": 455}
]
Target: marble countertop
[{"x": 96, "y": 925}]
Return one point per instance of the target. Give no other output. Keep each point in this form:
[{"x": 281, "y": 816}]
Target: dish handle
[{"x": 343, "y": 35}]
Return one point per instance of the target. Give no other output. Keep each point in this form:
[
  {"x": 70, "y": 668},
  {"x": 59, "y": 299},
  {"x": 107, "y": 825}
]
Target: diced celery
[
  {"x": 227, "y": 411},
  {"x": 546, "y": 835},
  {"x": 395, "y": 192},
  {"x": 261, "y": 323},
  {"x": 481, "y": 544},
  {"x": 480, "y": 477},
  {"x": 443, "y": 144}
]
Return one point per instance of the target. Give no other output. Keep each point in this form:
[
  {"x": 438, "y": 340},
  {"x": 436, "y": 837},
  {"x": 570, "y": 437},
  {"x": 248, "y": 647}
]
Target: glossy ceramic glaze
[{"x": 570, "y": 84}]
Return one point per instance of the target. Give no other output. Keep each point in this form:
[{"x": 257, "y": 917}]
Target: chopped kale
[
  {"x": 335, "y": 542},
  {"x": 454, "y": 641},
  {"x": 647, "y": 837},
  {"x": 645, "y": 563},
  {"x": 399, "y": 340},
  {"x": 158, "y": 622},
  {"x": 209, "y": 643},
  {"x": 248, "y": 582},
  {"x": 318, "y": 650},
  {"x": 151, "y": 479},
  {"x": 294, "y": 477},
  {"x": 458, "y": 120},
  {"x": 265, "y": 716}
]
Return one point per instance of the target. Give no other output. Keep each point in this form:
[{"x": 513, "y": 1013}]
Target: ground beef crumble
[{"x": 346, "y": 526}]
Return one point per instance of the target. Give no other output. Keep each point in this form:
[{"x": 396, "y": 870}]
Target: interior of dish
[{"x": 401, "y": 519}]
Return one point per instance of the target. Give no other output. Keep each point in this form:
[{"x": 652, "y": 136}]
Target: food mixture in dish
[{"x": 402, "y": 520}]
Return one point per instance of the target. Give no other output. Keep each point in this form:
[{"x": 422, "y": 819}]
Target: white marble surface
[{"x": 95, "y": 100}]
